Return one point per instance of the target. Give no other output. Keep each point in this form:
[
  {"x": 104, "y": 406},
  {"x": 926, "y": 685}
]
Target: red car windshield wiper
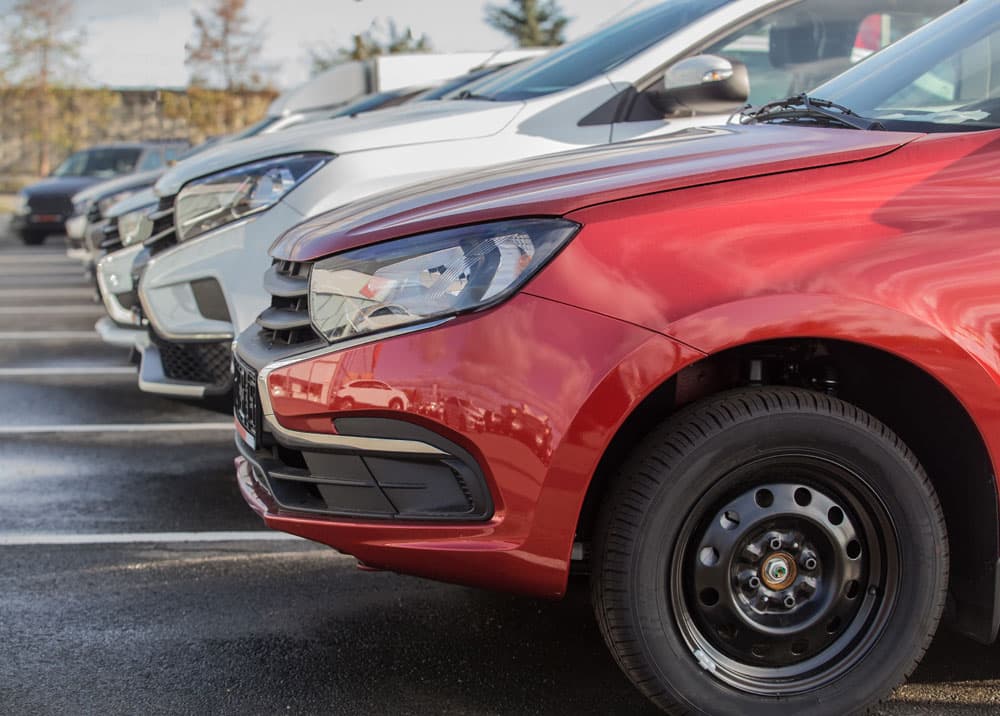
[{"x": 805, "y": 107}]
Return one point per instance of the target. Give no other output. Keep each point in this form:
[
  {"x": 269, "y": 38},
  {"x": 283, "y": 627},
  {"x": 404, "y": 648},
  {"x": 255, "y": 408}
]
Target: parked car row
[{"x": 593, "y": 311}]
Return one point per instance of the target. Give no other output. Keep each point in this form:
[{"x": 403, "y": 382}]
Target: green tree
[
  {"x": 533, "y": 23},
  {"x": 226, "y": 46},
  {"x": 42, "y": 50},
  {"x": 373, "y": 42}
]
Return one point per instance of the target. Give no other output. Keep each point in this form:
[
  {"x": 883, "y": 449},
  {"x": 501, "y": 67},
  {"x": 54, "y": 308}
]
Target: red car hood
[{"x": 558, "y": 184}]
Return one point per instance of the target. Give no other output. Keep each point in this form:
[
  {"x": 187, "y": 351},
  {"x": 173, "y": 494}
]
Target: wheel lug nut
[
  {"x": 790, "y": 601},
  {"x": 776, "y": 543},
  {"x": 752, "y": 553},
  {"x": 810, "y": 564},
  {"x": 754, "y": 583}
]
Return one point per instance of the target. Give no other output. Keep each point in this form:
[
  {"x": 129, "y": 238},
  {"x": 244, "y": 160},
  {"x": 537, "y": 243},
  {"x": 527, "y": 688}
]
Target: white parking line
[
  {"x": 65, "y": 292},
  {"x": 49, "y": 336},
  {"x": 115, "y": 428},
  {"x": 29, "y": 260},
  {"x": 27, "y": 539},
  {"x": 40, "y": 257},
  {"x": 10, "y": 271},
  {"x": 85, "y": 309},
  {"x": 68, "y": 372}
]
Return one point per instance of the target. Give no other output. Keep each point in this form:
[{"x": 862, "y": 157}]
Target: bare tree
[
  {"x": 374, "y": 41},
  {"x": 43, "y": 48},
  {"x": 225, "y": 51},
  {"x": 533, "y": 23}
]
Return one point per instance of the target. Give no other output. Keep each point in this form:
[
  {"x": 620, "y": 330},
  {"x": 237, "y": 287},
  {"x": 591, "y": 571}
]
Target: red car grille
[{"x": 286, "y": 322}]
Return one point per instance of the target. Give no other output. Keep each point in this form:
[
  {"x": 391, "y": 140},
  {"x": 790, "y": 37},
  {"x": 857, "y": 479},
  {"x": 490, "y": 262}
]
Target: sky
[{"x": 141, "y": 44}]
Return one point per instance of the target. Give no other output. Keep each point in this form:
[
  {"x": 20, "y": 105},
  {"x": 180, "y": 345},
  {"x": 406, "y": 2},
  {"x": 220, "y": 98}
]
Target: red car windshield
[{"x": 944, "y": 77}]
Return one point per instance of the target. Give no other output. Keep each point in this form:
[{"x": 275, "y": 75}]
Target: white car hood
[{"x": 419, "y": 123}]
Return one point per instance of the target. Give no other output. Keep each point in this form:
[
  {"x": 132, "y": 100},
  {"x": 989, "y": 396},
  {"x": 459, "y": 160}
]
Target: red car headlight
[{"x": 430, "y": 276}]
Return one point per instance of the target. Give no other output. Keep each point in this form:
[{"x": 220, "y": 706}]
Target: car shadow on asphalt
[{"x": 452, "y": 650}]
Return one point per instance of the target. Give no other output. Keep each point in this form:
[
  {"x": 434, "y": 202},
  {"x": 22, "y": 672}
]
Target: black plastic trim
[
  {"x": 283, "y": 285},
  {"x": 609, "y": 112},
  {"x": 210, "y": 299},
  {"x": 257, "y": 351},
  {"x": 343, "y": 483},
  {"x": 978, "y": 612},
  {"x": 282, "y": 319}
]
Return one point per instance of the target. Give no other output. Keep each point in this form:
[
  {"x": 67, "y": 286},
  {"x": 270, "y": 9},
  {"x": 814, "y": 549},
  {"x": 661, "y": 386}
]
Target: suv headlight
[
  {"x": 430, "y": 276},
  {"x": 219, "y": 199},
  {"x": 131, "y": 224},
  {"x": 21, "y": 206}
]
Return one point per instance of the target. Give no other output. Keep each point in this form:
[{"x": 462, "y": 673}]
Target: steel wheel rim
[{"x": 824, "y": 539}]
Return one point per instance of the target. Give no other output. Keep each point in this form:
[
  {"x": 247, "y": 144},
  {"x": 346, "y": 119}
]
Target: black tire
[
  {"x": 33, "y": 238},
  {"x": 744, "y": 488},
  {"x": 395, "y": 404}
]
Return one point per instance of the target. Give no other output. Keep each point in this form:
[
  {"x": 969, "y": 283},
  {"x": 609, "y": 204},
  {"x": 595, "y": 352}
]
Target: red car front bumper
[{"x": 528, "y": 394}]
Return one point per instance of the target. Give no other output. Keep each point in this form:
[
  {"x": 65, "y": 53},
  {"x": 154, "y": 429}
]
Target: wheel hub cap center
[{"x": 779, "y": 571}]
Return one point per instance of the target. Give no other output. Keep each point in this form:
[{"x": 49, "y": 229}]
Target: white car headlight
[
  {"x": 80, "y": 207},
  {"x": 108, "y": 202},
  {"x": 130, "y": 225},
  {"x": 21, "y": 207},
  {"x": 429, "y": 276},
  {"x": 228, "y": 196}
]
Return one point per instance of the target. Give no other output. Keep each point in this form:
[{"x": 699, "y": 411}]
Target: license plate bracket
[{"x": 246, "y": 404}]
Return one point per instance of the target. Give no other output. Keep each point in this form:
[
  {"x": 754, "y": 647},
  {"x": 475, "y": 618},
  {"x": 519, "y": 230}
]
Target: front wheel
[
  {"x": 770, "y": 550},
  {"x": 33, "y": 238}
]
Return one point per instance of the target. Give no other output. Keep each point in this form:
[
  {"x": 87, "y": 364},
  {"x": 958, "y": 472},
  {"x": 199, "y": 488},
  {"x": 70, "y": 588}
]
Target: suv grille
[
  {"x": 287, "y": 322},
  {"x": 164, "y": 231},
  {"x": 50, "y": 204},
  {"x": 206, "y": 363}
]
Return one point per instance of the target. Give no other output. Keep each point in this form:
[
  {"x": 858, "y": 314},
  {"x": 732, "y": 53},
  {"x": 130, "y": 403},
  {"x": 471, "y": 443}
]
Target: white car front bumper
[
  {"x": 121, "y": 336},
  {"x": 114, "y": 280},
  {"x": 76, "y": 226},
  {"x": 178, "y": 285},
  {"x": 154, "y": 369},
  {"x": 199, "y": 295}
]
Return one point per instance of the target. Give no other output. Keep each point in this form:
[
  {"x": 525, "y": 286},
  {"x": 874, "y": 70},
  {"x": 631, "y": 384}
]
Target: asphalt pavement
[{"x": 134, "y": 580}]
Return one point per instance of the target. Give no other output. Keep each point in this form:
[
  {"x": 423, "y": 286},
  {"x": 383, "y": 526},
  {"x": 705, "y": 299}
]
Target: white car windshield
[{"x": 600, "y": 52}]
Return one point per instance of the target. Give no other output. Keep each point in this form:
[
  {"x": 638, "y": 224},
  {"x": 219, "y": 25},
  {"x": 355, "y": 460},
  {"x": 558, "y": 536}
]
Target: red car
[{"x": 748, "y": 376}]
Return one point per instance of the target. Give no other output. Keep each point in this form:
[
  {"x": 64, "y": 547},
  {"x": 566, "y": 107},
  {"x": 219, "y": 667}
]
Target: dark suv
[{"x": 44, "y": 206}]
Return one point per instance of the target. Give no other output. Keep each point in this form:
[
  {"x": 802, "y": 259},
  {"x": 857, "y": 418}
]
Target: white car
[
  {"x": 371, "y": 394},
  {"x": 678, "y": 65},
  {"x": 114, "y": 258}
]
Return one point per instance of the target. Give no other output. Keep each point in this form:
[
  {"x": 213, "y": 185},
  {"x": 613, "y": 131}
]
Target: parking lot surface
[{"x": 133, "y": 579}]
